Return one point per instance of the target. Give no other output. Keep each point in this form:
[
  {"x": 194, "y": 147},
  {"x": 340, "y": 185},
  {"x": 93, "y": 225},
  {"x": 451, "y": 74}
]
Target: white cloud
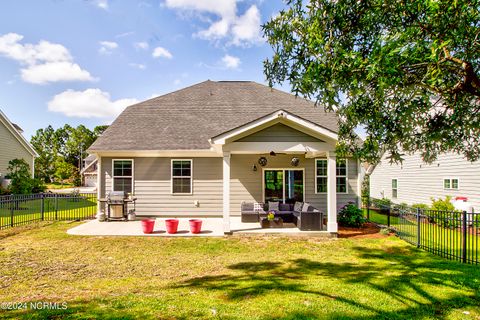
[
  {"x": 91, "y": 103},
  {"x": 55, "y": 72},
  {"x": 103, "y": 4},
  {"x": 230, "y": 62},
  {"x": 237, "y": 29},
  {"x": 160, "y": 52},
  {"x": 43, "y": 62},
  {"x": 177, "y": 82},
  {"x": 107, "y": 47},
  {"x": 125, "y": 34},
  {"x": 138, "y": 66},
  {"x": 141, "y": 45}
]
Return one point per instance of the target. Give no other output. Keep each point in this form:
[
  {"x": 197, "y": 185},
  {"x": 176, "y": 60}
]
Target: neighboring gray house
[
  {"x": 417, "y": 182},
  {"x": 13, "y": 146},
  {"x": 196, "y": 152},
  {"x": 89, "y": 171}
]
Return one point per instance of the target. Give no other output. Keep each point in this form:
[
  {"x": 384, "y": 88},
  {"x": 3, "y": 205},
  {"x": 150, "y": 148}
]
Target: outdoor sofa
[{"x": 303, "y": 215}]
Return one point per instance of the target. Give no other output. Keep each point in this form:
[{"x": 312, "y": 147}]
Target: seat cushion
[
  {"x": 273, "y": 205},
  {"x": 284, "y": 207},
  {"x": 247, "y": 206},
  {"x": 298, "y": 206}
]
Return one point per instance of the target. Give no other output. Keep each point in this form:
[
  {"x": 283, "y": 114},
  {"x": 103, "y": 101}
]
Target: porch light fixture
[
  {"x": 295, "y": 161},
  {"x": 254, "y": 167},
  {"x": 262, "y": 161}
]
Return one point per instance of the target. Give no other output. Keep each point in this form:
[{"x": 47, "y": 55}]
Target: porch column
[
  {"x": 226, "y": 193},
  {"x": 332, "y": 192},
  {"x": 99, "y": 183}
]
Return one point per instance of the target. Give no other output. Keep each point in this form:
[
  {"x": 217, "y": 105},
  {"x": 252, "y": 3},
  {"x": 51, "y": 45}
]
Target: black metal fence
[
  {"x": 450, "y": 234},
  {"x": 16, "y": 210}
]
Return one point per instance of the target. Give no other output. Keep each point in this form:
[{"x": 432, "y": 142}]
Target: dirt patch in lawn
[{"x": 368, "y": 230}]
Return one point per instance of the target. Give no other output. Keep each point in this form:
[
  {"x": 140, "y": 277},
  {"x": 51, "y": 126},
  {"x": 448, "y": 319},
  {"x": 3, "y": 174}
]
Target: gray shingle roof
[{"x": 186, "y": 119}]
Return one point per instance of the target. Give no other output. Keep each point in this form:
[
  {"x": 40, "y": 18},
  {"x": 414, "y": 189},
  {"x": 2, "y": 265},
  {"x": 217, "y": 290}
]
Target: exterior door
[{"x": 286, "y": 186}]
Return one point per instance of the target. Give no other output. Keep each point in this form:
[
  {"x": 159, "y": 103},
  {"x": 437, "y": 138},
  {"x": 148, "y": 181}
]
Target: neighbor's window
[
  {"x": 322, "y": 175},
  {"x": 450, "y": 184},
  {"x": 123, "y": 175},
  {"x": 394, "y": 188},
  {"x": 342, "y": 176},
  {"x": 182, "y": 176}
]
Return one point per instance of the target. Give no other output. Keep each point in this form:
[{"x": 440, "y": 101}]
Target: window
[
  {"x": 342, "y": 176},
  {"x": 394, "y": 188},
  {"x": 451, "y": 184},
  {"x": 182, "y": 176},
  {"x": 322, "y": 175},
  {"x": 123, "y": 175}
]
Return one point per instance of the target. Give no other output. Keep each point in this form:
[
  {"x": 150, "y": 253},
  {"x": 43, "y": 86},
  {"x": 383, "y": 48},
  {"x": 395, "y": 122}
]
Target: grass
[
  {"x": 58, "y": 185},
  {"x": 230, "y": 278},
  {"x": 60, "y": 208}
]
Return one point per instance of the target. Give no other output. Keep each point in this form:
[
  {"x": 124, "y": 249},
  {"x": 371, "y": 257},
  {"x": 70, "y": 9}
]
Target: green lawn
[
  {"x": 231, "y": 278},
  {"x": 58, "y": 185},
  {"x": 60, "y": 208},
  {"x": 376, "y": 217}
]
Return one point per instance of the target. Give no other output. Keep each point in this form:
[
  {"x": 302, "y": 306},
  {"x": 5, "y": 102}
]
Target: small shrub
[
  {"x": 4, "y": 192},
  {"x": 382, "y": 204},
  {"x": 443, "y": 204},
  {"x": 351, "y": 216},
  {"x": 421, "y": 206},
  {"x": 403, "y": 204}
]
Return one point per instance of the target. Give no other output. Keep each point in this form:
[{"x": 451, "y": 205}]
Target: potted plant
[
  {"x": 171, "y": 225},
  {"x": 271, "y": 215},
  {"x": 195, "y": 225},
  {"x": 148, "y": 225}
]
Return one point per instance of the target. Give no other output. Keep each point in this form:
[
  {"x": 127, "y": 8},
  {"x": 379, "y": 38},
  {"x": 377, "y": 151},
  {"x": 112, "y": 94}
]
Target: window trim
[
  {"x": 317, "y": 176},
  {"x": 171, "y": 178},
  {"x": 132, "y": 177},
  {"x": 451, "y": 183},
  {"x": 342, "y": 176},
  {"x": 392, "y": 188}
]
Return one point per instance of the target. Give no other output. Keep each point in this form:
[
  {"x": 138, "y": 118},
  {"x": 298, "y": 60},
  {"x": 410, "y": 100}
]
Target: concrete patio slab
[{"x": 211, "y": 227}]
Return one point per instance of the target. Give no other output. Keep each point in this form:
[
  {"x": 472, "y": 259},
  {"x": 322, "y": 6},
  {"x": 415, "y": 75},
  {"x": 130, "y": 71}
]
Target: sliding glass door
[{"x": 283, "y": 185}]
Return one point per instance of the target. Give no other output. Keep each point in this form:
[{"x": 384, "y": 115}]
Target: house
[
  {"x": 414, "y": 181},
  {"x": 204, "y": 149},
  {"x": 89, "y": 171},
  {"x": 13, "y": 146}
]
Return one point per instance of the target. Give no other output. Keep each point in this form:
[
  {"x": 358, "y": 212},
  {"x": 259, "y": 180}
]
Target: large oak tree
[{"x": 405, "y": 71}]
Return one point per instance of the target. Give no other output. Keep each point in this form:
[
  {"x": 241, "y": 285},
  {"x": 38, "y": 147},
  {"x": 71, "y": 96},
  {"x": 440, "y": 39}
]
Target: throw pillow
[
  {"x": 298, "y": 206},
  {"x": 272, "y": 205}
]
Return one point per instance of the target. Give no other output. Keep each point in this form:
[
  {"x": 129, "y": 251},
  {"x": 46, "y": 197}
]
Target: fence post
[
  {"x": 368, "y": 208},
  {"x": 42, "y": 206},
  {"x": 56, "y": 206},
  {"x": 418, "y": 227},
  {"x": 388, "y": 215},
  {"x": 12, "y": 212},
  {"x": 464, "y": 236}
]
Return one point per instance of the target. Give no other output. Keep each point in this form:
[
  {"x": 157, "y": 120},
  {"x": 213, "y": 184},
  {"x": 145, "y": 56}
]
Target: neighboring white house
[
  {"x": 414, "y": 181},
  {"x": 89, "y": 171},
  {"x": 13, "y": 146},
  {"x": 204, "y": 149}
]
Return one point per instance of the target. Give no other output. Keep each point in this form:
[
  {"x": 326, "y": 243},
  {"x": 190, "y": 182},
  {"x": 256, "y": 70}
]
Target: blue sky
[{"x": 82, "y": 62}]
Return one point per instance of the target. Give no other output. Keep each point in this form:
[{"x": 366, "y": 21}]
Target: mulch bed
[{"x": 368, "y": 230}]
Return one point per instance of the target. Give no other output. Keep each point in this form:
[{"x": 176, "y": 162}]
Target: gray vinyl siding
[
  {"x": 11, "y": 148},
  {"x": 279, "y": 133},
  {"x": 246, "y": 184},
  {"x": 152, "y": 187},
  {"x": 152, "y": 184},
  {"x": 419, "y": 182}
]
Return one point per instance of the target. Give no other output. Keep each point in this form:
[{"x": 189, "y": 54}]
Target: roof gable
[
  {"x": 20, "y": 138},
  {"x": 278, "y": 132},
  {"x": 188, "y": 118}
]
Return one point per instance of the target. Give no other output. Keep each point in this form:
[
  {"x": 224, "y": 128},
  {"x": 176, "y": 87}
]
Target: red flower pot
[
  {"x": 171, "y": 225},
  {"x": 195, "y": 225},
  {"x": 148, "y": 225}
]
